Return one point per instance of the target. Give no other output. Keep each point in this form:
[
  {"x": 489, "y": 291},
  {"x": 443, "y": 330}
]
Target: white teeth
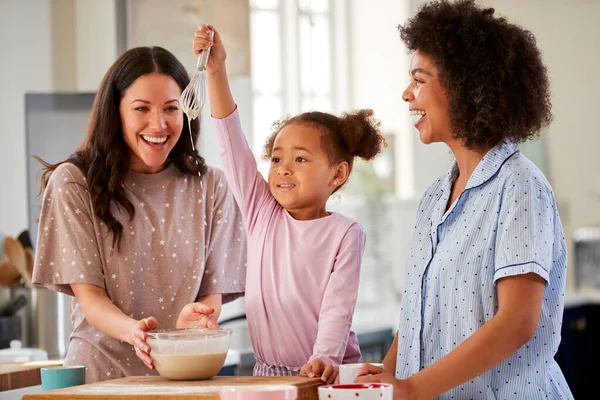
[
  {"x": 153, "y": 139},
  {"x": 417, "y": 112},
  {"x": 283, "y": 185}
]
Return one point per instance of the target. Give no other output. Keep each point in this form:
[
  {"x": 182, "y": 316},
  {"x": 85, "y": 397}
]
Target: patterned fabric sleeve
[
  {"x": 225, "y": 269},
  {"x": 67, "y": 249},
  {"x": 525, "y": 233}
]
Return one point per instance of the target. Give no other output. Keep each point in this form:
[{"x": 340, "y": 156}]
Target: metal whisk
[{"x": 193, "y": 97}]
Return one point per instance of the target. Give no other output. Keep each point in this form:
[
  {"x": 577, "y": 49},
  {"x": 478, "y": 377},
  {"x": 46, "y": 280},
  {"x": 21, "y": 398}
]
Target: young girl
[{"x": 303, "y": 261}]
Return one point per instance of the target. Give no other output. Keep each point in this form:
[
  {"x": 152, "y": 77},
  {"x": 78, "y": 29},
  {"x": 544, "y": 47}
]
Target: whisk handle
[{"x": 203, "y": 57}]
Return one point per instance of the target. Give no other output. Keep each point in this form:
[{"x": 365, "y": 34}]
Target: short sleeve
[
  {"x": 225, "y": 267},
  {"x": 67, "y": 247},
  {"x": 525, "y": 233}
]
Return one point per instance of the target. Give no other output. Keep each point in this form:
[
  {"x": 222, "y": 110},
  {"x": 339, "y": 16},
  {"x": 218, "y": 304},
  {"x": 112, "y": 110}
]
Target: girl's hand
[
  {"x": 196, "y": 315},
  {"x": 216, "y": 60},
  {"x": 138, "y": 339},
  {"x": 316, "y": 367}
]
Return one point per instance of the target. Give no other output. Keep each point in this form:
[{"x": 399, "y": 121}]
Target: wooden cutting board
[
  {"x": 20, "y": 375},
  {"x": 157, "y": 388}
]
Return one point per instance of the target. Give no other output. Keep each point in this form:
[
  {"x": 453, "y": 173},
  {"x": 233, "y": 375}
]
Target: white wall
[
  {"x": 95, "y": 41},
  {"x": 48, "y": 45},
  {"x": 25, "y": 40},
  {"x": 64, "y": 53}
]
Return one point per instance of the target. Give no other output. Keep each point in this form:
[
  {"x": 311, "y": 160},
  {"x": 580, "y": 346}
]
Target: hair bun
[{"x": 361, "y": 134}]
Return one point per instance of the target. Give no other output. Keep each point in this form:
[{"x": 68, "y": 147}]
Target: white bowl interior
[{"x": 198, "y": 341}]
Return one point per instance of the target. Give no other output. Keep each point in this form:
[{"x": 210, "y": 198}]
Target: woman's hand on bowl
[
  {"x": 138, "y": 339},
  {"x": 196, "y": 315}
]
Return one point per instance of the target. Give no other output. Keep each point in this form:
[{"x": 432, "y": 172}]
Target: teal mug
[{"x": 62, "y": 377}]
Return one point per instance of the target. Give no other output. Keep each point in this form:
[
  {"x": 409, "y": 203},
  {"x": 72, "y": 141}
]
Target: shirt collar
[{"x": 488, "y": 166}]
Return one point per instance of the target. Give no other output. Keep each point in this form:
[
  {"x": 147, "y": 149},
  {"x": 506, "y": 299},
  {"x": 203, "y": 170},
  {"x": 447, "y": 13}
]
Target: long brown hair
[{"x": 103, "y": 157}]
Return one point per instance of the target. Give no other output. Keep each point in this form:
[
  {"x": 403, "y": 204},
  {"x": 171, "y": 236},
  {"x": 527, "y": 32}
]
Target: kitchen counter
[
  {"x": 157, "y": 388},
  {"x": 20, "y": 375}
]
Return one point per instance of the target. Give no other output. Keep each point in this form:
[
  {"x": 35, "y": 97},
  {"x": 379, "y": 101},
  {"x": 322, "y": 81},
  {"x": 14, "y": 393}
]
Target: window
[
  {"x": 266, "y": 49},
  {"x": 292, "y": 62},
  {"x": 314, "y": 45}
]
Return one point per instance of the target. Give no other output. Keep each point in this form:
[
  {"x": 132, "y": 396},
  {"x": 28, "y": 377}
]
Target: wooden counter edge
[
  {"x": 24, "y": 375},
  {"x": 306, "y": 391}
]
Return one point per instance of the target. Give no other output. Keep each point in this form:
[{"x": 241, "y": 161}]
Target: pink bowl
[
  {"x": 361, "y": 391},
  {"x": 259, "y": 392}
]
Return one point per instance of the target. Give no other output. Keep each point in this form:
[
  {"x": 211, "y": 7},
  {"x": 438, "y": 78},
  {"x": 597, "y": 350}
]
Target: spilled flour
[
  {"x": 109, "y": 388},
  {"x": 145, "y": 388}
]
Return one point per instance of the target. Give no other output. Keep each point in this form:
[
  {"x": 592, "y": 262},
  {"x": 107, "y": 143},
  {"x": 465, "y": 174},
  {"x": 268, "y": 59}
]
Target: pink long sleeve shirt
[{"x": 302, "y": 276}]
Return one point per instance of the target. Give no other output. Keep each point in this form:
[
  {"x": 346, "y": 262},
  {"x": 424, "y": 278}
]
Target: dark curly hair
[
  {"x": 491, "y": 70},
  {"x": 103, "y": 157},
  {"x": 354, "y": 134}
]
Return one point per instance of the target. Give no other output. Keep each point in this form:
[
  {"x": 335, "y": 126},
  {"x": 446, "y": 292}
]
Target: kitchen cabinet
[{"x": 578, "y": 354}]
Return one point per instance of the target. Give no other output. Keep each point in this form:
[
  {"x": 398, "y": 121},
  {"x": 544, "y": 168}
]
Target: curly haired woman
[{"x": 485, "y": 279}]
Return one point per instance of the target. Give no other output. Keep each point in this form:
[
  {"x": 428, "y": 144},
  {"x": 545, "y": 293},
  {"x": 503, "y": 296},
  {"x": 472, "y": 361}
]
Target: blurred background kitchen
[{"x": 285, "y": 57}]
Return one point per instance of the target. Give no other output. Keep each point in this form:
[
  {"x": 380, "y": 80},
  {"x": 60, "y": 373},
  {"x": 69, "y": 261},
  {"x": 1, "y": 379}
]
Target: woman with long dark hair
[{"x": 134, "y": 224}]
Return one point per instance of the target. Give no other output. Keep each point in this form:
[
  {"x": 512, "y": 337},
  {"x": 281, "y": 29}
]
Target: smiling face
[
  {"x": 151, "y": 121},
  {"x": 300, "y": 177},
  {"x": 428, "y": 101}
]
